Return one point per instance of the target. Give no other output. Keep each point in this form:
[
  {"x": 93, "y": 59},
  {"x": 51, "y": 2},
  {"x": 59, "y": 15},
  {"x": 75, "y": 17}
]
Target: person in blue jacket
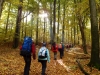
[{"x": 43, "y": 59}]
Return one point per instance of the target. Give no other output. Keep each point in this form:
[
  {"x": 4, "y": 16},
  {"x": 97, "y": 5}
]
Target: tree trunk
[
  {"x": 94, "y": 61},
  {"x": 37, "y": 25},
  {"x": 81, "y": 25},
  {"x": 7, "y": 20},
  {"x": 63, "y": 27},
  {"x": 37, "y": 32},
  {"x": 32, "y": 19},
  {"x": 99, "y": 36},
  {"x": 54, "y": 20},
  {"x": 58, "y": 19},
  {"x": 51, "y": 29},
  {"x": 1, "y": 6},
  {"x": 17, "y": 30},
  {"x": 44, "y": 31},
  {"x": 25, "y": 28}
]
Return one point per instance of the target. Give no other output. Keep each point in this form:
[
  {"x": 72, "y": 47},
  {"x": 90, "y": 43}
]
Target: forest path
[{"x": 11, "y": 63}]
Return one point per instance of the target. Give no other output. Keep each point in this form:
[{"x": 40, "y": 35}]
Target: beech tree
[
  {"x": 54, "y": 20},
  {"x": 18, "y": 21},
  {"x": 94, "y": 61}
]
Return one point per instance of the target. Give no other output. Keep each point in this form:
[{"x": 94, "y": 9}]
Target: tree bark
[
  {"x": 7, "y": 20},
  {"x": 37, "y": 32},
  {"x": 81, "y": 25},
  {"x": 1, "y": 6},
  {"x": 63, "y": 27},
  {"x": 58, "y": 19},
  {"x": 54, "y": 20},
  {"x": 18, "y": 22},
  {"x": 44, "y": 30},
  {"x": 94, "y": 61},
  {"x": 37, "y": 25},
  {"x": 99, "y": 36},
  {"x": 51, "y": 29}
]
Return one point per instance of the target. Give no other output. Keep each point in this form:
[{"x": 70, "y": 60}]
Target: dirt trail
[
  {"x": 53, "y": 68},
  {"x": 11, "y": 63}
]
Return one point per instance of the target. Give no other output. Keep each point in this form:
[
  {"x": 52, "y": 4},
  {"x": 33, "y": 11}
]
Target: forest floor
[{"x": 11, "y": 63}]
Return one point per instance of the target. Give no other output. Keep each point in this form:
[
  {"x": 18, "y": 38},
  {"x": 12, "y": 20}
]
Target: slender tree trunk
[
  {"x": 7, "y": 20},
  {"x": 37, "y": 25},
  {"x": 78, "y": 35},
  {"x": 99, "y": 36},
  {"x": 81, "y": 25},
  {"x": 58, "y": 19},
  {"x": 54, "y": 20},
  {"x": 68, "y": 38},
  {"x": 37, "y": 32},
  {"x": 11, "y": 29},
  {"x": 23, "y": 27},
  {"x": 74, "y": 41},
  {"x": 94, "y": 61},
  {"x": 51, "y": 29},
  {"x": 75, "y": 27},
  {"x": 1, "y": 6},
  {"x": 18, "y": 22},
  {"x": 63, "y": 27},
  {"x": 44, "y": 31},
  {"x": 31, "y": 25},
  {"x": 71, "y": 34}
]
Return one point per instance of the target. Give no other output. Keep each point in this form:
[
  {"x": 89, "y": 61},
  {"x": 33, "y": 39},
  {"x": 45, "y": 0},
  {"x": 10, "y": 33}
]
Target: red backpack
[{"x": 56, "y": 48}]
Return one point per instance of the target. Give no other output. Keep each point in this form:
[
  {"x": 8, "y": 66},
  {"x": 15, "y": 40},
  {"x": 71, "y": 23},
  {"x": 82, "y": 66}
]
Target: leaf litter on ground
[{"x": 11, "y": 63}]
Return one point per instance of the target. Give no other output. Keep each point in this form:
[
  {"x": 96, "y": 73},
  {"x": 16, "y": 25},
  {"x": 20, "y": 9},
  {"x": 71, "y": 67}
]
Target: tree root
[{"x": 81, "y": 68}]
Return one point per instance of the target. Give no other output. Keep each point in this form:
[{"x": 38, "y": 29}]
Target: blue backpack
[{"x": 26, "y": 46}]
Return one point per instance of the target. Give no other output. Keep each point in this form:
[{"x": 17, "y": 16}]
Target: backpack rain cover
[{"x": 26, "y": 46}]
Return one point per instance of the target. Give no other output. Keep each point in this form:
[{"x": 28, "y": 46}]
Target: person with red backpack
[
  {"x": 54, "y": 48},
  {"x": 27, "y": 48}
]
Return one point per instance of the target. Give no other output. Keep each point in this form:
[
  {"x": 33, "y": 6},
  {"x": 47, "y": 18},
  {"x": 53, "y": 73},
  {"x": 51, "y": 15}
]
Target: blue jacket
[{"x": 48, "y": 55}]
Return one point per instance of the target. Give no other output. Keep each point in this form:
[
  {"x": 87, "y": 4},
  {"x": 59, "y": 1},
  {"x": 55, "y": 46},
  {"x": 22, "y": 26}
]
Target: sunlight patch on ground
[
  {"x": 73, "y": 51},
  {"x": 61, "y": 63}
]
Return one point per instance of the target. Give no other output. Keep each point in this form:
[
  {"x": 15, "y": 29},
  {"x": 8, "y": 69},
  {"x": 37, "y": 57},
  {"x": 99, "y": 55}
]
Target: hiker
[
  {"x": 43, "y": 57},
  {"x": 63, "y": 46},
  {"x": 61, "y": 49},
  {"x": 67, "y": 47},
  {"x": 54, "y": 48},
  {"x": 27, "y": 57}
]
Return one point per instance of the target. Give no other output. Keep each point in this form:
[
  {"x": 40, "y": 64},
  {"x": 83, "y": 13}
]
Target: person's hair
[{"x": 44, "y": 44}]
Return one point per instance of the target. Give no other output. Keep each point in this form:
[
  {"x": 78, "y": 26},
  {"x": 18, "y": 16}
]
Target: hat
[{"x": 44, "y": 44}]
